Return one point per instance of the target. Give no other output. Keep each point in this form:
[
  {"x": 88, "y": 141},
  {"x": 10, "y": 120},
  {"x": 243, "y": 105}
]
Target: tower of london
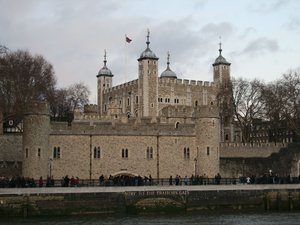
[{"x": 156, "y": 125}]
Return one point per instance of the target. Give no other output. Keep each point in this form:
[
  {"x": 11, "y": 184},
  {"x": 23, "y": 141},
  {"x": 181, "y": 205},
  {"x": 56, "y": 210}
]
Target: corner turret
[
  {"x": 221, "y": 68},
  {"x": 36, "y": 154}
]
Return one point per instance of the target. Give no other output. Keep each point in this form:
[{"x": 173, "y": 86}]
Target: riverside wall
[{"x": 120, "y": 200}]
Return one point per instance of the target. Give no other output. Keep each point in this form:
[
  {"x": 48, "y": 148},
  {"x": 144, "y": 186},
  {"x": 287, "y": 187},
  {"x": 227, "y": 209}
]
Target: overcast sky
[{"x": 260, "y": 38}]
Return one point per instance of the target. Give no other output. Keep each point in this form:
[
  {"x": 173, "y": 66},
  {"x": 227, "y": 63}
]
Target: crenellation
[
  {"x": 206, "y": 84},
  {"x": 179, "y": 81},
  {"x": 200, "y": 83}
]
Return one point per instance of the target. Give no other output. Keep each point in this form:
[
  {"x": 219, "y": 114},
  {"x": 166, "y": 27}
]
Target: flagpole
[{"x": 126, "y": 56}]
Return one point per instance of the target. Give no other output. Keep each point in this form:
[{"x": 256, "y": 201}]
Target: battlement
[
  {"x": 253, "y": 145},
  {"x": 167, "y": 80},
  {"x": 38, "y": 108},
  {"x": 250, "y": 150},
  {"x": 177, "y": 111},
  {"x": 122, "y": 86},
  {"x": 91, "y": 108},
  {"x": 207, "y": 111}
]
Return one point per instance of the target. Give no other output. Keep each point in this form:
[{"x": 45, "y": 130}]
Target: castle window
[
  {"x": 226, "y": 137},
  {"x": 128, "y": 101},
  {"x": 97, "y": 152},
  {"x": 124, "y": 153},
  {"x": 207, "y": 150},
  {"x": 56, "y": 153},
  {"x": 26, "y": 152},
  {"x": 39, "y": 152},
  {"x": 166, "y": 100},
  {"x": 196, "y": 103},
  {"x": 104, "y": 107},
  {"x": 136, "y": 99},
  {"x": 120, "y": 102},
  {"x": 152, "y": 105},
  {"x": 176, "y": 125},
  {"x": 186, "y": 153},
  {"x": 149, "y": 153}
]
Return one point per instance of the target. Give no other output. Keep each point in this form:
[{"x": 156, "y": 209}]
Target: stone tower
[
  {"x": 221, "y": 68},
  {"x": 207, "y": 127},
  {"x": 148, "y": 82},
  {"x": 104, "y": 82},
  {"x": 222, "y": 79},
  {"x": 36, "y": 155}
]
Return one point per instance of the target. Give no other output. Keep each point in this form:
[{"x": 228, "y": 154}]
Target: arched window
[
  {"x": 196, "y": 103},
  {"x": 176, "y": 125}
]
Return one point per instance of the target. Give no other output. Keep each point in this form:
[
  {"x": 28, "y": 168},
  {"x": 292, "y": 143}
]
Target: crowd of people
[{"x": 126, "y": 180}]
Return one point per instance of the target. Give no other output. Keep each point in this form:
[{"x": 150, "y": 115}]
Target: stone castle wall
[
  {"x": 248, "y": 150},
  {"x": 77, "y": 155},
  {"x": 11, "y": 155}
]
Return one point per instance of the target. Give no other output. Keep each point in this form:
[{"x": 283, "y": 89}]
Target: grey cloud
[
  {"x": 267, "y": 6},
  {"x": 292, "y": 24},
  {"x": 260, "y": 46},
  {"x": 247, "y": 32}
]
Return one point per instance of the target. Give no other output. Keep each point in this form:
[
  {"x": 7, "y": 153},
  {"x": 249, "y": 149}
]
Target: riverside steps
[{"x": 148, "y": 199}]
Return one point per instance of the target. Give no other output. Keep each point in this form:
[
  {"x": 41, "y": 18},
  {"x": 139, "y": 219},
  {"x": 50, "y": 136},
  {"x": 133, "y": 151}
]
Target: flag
[{"x": 128, "y": 40}]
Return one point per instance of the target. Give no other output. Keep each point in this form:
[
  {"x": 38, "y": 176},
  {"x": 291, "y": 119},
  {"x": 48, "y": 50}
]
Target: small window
[
  {"x": 128, "y": 101},
  {"x": 186, "y": 153},
  {"x": 124, "y": 153},
  {"x": 196, "y": 103},
  {"x": 26, "y": 152},
  {"x": 207, "y": 150},
  {"x": 176, "y": 125},
  {"x": 39, "y": 152},
  {"x": 104, "y": 107},
  {"x": 226, "y": 137},
  {"x": 97, "y": 153},
  {"x": 149, "y": 153},
  {"x": 56, "y": 153},
  {"x": 136, "y": 99}
]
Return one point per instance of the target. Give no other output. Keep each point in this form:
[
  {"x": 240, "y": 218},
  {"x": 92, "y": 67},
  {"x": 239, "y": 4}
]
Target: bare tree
[
  {"x": 60, "y": 108},
  {"x": 78, "y": 96},
  {"x": 247, "y": 103},
  {"x": 23, "y": 78}
]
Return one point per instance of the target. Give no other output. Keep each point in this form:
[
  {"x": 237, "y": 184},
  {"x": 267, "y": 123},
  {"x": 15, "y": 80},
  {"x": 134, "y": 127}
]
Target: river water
[{"x": 182, "y": 219}]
